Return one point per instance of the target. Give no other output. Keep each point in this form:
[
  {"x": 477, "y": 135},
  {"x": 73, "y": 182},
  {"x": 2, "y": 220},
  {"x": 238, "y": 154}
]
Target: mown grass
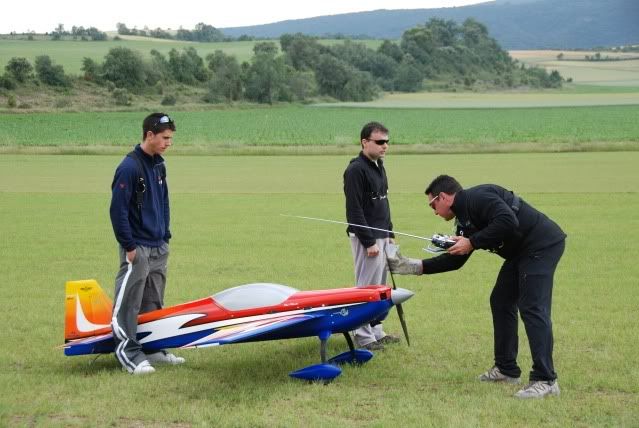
[
  {"x": 317, "y": 129},
  {"x": 598, "y": 73},
  {"x": 569, "y": 96},
  {"x": 227, "y": 231}
]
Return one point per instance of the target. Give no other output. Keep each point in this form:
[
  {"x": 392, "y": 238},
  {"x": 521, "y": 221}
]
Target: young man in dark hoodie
[
  {"x": 366, "y": 189},
  {"x": 140, "y": 217},
  {"x": 489, "y": 217}
]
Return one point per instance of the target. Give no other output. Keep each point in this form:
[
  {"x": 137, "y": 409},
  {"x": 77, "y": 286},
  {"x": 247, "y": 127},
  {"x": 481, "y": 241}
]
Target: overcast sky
[{"x": 45, "y": 15}]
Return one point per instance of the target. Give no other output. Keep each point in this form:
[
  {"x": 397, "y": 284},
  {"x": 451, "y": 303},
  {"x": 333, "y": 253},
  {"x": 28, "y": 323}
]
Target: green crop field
[
  {"x": 227, "y": 231},
  {"x": 317, "y": 130}
]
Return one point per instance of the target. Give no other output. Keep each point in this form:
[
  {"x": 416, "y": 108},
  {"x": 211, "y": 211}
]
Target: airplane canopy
[{"x": 255, "y": 295}]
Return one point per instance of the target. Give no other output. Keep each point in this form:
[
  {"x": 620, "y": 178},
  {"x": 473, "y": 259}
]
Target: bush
[
  {"x": 19, "y": 68},
  {"x": 50, "y": 74},
  {"x": 124, "y": 67},
  {"x": 187, "y": 67},
  {"x": 168, "y": 100},
  {"x": 63, "y": 103},
  {"x": 11, "y": 101},
  {"x": 7, "y": 82},
  {"x": 92, "y": 70},
  {"x": 122, "y": 97},
  {"x": 158, "y": 88}
]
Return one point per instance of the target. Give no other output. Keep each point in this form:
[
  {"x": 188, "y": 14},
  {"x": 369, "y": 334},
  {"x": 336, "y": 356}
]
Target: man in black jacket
[
  {"x": 489, "y": 217},
  {"x": 366, "y": 192}
]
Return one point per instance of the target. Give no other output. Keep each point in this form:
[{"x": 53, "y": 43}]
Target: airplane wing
[{"x": 266, "y": 329}]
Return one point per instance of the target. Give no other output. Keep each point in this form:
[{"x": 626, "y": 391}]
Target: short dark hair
[
  {"x": 371, "y": 127},
  {"x": 156, "y": 123},
  {"x": 443, "y": 183}
]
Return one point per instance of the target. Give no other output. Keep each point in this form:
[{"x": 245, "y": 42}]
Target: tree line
[
  {"x": 301, "y": 68},
  {"x": 201, "y": 33},
  {"x": 90, "y": 33}
]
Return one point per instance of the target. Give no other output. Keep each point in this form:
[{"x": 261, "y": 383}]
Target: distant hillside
[{"x": 515, "y": 24}]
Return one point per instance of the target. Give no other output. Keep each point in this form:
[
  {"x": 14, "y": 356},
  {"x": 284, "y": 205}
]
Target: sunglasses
[
  {"x": 432, "y": 201},
  {"x": 164, "y": 119},
  {"x": 379, "y": 142}
]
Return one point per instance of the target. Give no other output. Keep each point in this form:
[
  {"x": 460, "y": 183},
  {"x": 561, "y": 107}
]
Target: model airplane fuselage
[{"x": 247, "y": 313}]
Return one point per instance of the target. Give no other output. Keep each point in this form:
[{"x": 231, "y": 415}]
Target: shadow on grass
[{"x": 249, "y": 369}]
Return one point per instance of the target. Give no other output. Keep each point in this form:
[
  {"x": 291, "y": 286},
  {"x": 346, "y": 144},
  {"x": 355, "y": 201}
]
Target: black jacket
[
  {"x": 366, "y": 191},
  {"x": 495, "y": 219}
]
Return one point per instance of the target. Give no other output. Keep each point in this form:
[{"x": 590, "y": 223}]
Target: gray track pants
[
  {"x": 369, "y": 271},
  {"x": 139, "y": 288}
]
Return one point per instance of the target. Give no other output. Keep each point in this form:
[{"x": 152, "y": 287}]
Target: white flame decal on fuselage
[{"x": 172, "y": 326}]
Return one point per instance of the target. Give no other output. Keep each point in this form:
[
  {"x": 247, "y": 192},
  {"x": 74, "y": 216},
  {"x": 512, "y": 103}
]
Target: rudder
[{"x": 87, "y": 310}]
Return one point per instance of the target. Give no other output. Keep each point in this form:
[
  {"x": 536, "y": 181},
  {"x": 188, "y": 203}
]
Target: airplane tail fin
[{"x": 87, "y": 310}]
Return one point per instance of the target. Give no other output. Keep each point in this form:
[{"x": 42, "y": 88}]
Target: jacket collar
[
  {"x": 363, "y": 157},
  {"x": 459, "y": 203},
  {"x": 153, "y": 160}
]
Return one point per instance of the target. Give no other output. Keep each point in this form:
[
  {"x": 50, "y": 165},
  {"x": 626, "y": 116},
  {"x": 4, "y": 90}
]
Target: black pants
[{"x": 525, "y": 283}]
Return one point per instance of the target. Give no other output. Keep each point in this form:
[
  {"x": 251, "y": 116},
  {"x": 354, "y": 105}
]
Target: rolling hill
[{"x": 516, "y": 24}]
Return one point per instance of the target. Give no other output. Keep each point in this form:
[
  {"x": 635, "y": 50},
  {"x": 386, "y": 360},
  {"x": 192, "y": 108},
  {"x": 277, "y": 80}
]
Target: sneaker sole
[
  {"x": 511, "y": 381},
  {"x": 536, "y": 397}
]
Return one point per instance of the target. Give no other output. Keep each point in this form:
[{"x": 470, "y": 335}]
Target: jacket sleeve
[
  {"x": 390, "y": 222},
  {"x": 354, "y": 192},
  {"x": 499, "y": 217},
  {"x": 444, "y": 263},
  {"x": 124, "y": 183},
  {"x": 167, "y": 212}
]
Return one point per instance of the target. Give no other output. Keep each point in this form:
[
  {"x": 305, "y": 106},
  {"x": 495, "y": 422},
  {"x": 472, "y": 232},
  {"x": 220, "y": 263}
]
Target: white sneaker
[
  {"x": 164, "y": 357},
  {"x": 144, "y": 368},
  {"x": 495, "y": 375},
  {"x": 538, "y": 389}
]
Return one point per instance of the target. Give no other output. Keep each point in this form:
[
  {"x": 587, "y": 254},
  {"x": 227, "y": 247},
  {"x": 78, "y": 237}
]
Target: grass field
[
  {"x": 227, "y": 231},
  {"x": 593, "y": 84},
  {"x": 331, "y": 130},
  {"x": 601, "y": 73}
]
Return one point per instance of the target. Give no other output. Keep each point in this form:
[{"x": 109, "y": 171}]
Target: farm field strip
[{"x": 322, "y": 128}]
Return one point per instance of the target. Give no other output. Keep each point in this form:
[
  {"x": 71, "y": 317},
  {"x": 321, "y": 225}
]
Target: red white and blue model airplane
[{"x": 247, "y": 313}]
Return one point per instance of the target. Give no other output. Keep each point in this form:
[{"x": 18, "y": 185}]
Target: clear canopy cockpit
[{"x": 255, "y": 295}]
